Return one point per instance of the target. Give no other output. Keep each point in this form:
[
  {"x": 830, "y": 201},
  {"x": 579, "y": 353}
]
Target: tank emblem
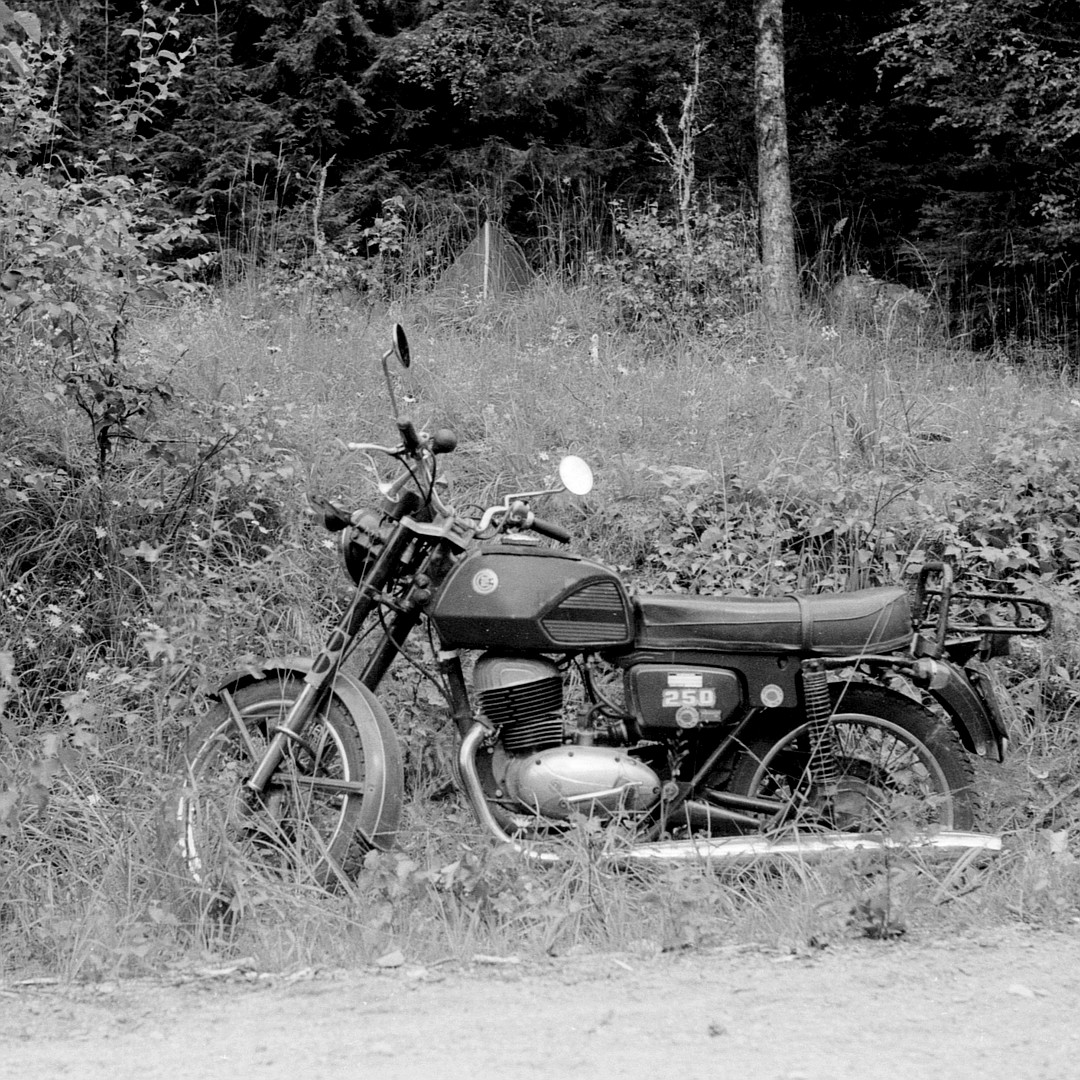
[
  {"x": 485, "y": 581},
  {"x": 772, "y": 696}
]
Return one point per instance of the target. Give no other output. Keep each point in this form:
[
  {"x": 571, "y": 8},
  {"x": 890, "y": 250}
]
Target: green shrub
[{"x": 669, "y": 278}]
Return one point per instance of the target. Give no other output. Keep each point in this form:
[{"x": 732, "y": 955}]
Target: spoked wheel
[
  {"x": 332, "y": 796},
  {"x": 899, "y": 768}
]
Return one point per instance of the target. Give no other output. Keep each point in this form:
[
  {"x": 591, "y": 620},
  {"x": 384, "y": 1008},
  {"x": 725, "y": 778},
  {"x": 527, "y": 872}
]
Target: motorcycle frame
[{"x": 414, "y": 547}]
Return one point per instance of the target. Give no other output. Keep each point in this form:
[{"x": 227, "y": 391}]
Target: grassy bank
[{"x": 752, "y": 459}]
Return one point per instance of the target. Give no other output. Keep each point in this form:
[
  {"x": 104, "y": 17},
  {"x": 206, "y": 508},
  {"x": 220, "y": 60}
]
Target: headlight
[{"x": 362, "y": 542}]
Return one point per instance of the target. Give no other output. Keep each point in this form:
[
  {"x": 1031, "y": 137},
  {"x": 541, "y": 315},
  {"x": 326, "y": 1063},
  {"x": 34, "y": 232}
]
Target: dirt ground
[{"x": 1005, "y": 1004}]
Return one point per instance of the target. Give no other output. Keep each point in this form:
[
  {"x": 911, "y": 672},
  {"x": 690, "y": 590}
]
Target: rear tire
[
  {"x": 902, "y": 768},
  {"x": 323, "y": 809}
]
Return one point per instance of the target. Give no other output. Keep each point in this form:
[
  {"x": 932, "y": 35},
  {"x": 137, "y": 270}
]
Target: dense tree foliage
[
  {"x": 933, "y": 142},
  {"x": 997, "y": 83}
]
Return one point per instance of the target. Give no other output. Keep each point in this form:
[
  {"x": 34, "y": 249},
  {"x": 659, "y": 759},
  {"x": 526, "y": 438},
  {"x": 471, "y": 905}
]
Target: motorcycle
[{"x": 685, "y": 727}]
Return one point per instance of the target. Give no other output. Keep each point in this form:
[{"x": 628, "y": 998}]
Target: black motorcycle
[{"x": 687, "y": 726}]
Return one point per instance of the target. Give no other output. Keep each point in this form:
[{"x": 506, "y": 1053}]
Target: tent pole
[{"x": 487, "y": 256}]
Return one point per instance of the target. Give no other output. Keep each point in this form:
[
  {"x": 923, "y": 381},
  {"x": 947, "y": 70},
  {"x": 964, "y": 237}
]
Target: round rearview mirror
[
  {"x": 400, "y": 345},
  {"x": 576, "y": 476}
]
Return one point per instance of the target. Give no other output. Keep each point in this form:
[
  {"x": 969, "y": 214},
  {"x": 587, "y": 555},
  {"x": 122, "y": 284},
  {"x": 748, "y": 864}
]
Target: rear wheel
[
  {"x": 900, "y": 768},
  {"x": 331, "y": 799}
]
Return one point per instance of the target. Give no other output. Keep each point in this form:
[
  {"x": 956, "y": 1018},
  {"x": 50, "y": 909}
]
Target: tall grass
[{"x": 891, "y": 444}]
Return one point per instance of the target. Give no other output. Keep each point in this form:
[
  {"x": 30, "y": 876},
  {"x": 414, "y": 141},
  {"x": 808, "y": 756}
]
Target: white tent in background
[{"x": 490, "y": 264}]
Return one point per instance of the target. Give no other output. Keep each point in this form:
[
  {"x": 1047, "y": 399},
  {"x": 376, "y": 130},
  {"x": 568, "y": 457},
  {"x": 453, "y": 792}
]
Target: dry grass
[{"x": 89, "y": 882}]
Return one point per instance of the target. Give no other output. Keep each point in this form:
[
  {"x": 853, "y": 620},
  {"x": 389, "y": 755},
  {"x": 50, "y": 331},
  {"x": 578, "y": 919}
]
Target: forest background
[
  {"x": 211, "y": 214},
  {"x": 932, "y": 143}
]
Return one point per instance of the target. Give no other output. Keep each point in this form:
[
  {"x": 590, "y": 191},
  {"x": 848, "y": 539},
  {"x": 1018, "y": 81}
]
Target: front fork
[
  {"x": 316, "y": 684},
  {"x": 319, "y": 680}
]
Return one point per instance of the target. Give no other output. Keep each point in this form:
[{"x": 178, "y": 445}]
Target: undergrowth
[
  {"x": 744, "y": 460},
  {"x": 157, "y": 442}
]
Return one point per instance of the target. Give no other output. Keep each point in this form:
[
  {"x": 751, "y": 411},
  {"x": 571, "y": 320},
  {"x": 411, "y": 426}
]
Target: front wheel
[
  {"x": 335, "y": 795},
  {"x": 899, "y": 767}
]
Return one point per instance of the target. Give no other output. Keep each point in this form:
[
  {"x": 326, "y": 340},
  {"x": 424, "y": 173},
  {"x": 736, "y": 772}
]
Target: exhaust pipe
[
  {"x": 724, "y": 849},
  {"x": 807, "y": 847}
]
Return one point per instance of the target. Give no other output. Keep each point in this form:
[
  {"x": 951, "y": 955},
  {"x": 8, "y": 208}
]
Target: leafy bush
[
  {"x": 1030, "y": 527},
  {"x": 670, "y": 277},
  {"x": 85, "y": 242},
  {"x": 152, "y": 537}
]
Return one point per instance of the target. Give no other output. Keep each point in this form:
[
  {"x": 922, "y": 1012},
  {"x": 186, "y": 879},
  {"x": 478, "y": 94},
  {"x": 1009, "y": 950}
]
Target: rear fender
[
  {"x": 974, "y": 711},
  {"x": 384, "y": 779}
]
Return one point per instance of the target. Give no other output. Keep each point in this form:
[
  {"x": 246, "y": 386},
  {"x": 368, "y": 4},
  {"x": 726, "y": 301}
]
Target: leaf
[
  {"x": 7, "y": 725},
  {"x": 84, "y": 739},
  {"x": 7, "y": 669},
  {"x": 711, "y": 537},
  {"x": 1057, "y": 843},
  {"x": 14, "y": 56},
  {"x": 145, "y": 551},
  {"x": 78, "y": 708},
  {"x": 30, "y": 23}
]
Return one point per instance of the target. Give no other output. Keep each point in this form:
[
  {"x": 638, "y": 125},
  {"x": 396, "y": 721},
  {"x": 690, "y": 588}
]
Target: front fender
[
  {"x": 384, "y": 775},
  {"x": 973, "y": 709},
  {"x": 264, "y": 669}
]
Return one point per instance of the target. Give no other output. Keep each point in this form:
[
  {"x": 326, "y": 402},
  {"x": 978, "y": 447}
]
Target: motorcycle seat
[{"x": 828, "y": 624}]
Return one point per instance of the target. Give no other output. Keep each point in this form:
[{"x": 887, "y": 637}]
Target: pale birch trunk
[{"x": 779, "y": 285}]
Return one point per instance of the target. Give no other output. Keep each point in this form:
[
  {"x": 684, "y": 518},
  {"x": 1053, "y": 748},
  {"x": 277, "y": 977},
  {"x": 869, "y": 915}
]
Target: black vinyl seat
[{"x": 829, "y": 624}]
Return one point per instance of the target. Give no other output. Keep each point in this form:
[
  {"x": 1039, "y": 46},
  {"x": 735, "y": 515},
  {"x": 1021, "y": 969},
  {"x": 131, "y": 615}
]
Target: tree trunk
[{"x": 780, "y": 284}]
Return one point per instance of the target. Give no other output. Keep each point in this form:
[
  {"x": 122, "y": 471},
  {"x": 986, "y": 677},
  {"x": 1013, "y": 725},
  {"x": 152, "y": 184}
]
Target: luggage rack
[{"x": 934, "y": 601}]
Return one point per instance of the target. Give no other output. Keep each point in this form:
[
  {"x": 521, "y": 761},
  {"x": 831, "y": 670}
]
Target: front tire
[
  {"x": 901, "y": 769},
  {"x": 335, "y": 795}
]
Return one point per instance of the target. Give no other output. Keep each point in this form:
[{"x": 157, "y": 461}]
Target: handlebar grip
[
  {"x": 409, "y": 436},
  {"x": 334, "y": 518},
  {"x": 408, "y": 502},
  {"x": 550, "y": 530}
]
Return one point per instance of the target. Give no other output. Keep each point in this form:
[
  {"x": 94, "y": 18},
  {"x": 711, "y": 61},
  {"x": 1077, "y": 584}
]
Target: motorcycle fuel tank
[{"x": 526, "y": 598}]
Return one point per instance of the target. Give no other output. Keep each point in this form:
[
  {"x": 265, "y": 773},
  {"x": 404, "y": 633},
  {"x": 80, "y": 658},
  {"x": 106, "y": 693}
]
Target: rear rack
[{"x": 934, "y": 601}]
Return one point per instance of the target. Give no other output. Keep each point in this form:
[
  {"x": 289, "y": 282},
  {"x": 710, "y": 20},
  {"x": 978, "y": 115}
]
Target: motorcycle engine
[{"x": 523, "y": 698}]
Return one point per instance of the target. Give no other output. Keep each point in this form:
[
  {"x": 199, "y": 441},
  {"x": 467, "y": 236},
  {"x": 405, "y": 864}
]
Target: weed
[{"x": 732, "y": 460}]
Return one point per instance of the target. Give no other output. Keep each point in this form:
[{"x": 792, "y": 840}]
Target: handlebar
[
  {"x": 421, "y": 449},
  {"x": 409, "y": 437},
  {"x": 550, "y": 530},
  {"x": 413, "y": 443}
]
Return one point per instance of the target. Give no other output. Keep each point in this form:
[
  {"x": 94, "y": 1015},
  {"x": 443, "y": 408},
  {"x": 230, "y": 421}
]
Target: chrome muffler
[{"x": 807, "y": 846}]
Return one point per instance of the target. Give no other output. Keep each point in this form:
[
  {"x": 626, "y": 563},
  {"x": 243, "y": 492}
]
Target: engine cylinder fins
[
  {"x": 523, "y": 697},
  {"x": 528, "y": 738},
  {"x": 499, "y": 672},
  {"x": 529, "y": 715}
]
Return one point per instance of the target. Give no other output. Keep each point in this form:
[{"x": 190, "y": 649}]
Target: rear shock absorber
[{"x": 824, "y": 768}]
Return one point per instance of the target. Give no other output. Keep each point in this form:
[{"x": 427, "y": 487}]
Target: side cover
[{"x": 532, "y": 599}]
